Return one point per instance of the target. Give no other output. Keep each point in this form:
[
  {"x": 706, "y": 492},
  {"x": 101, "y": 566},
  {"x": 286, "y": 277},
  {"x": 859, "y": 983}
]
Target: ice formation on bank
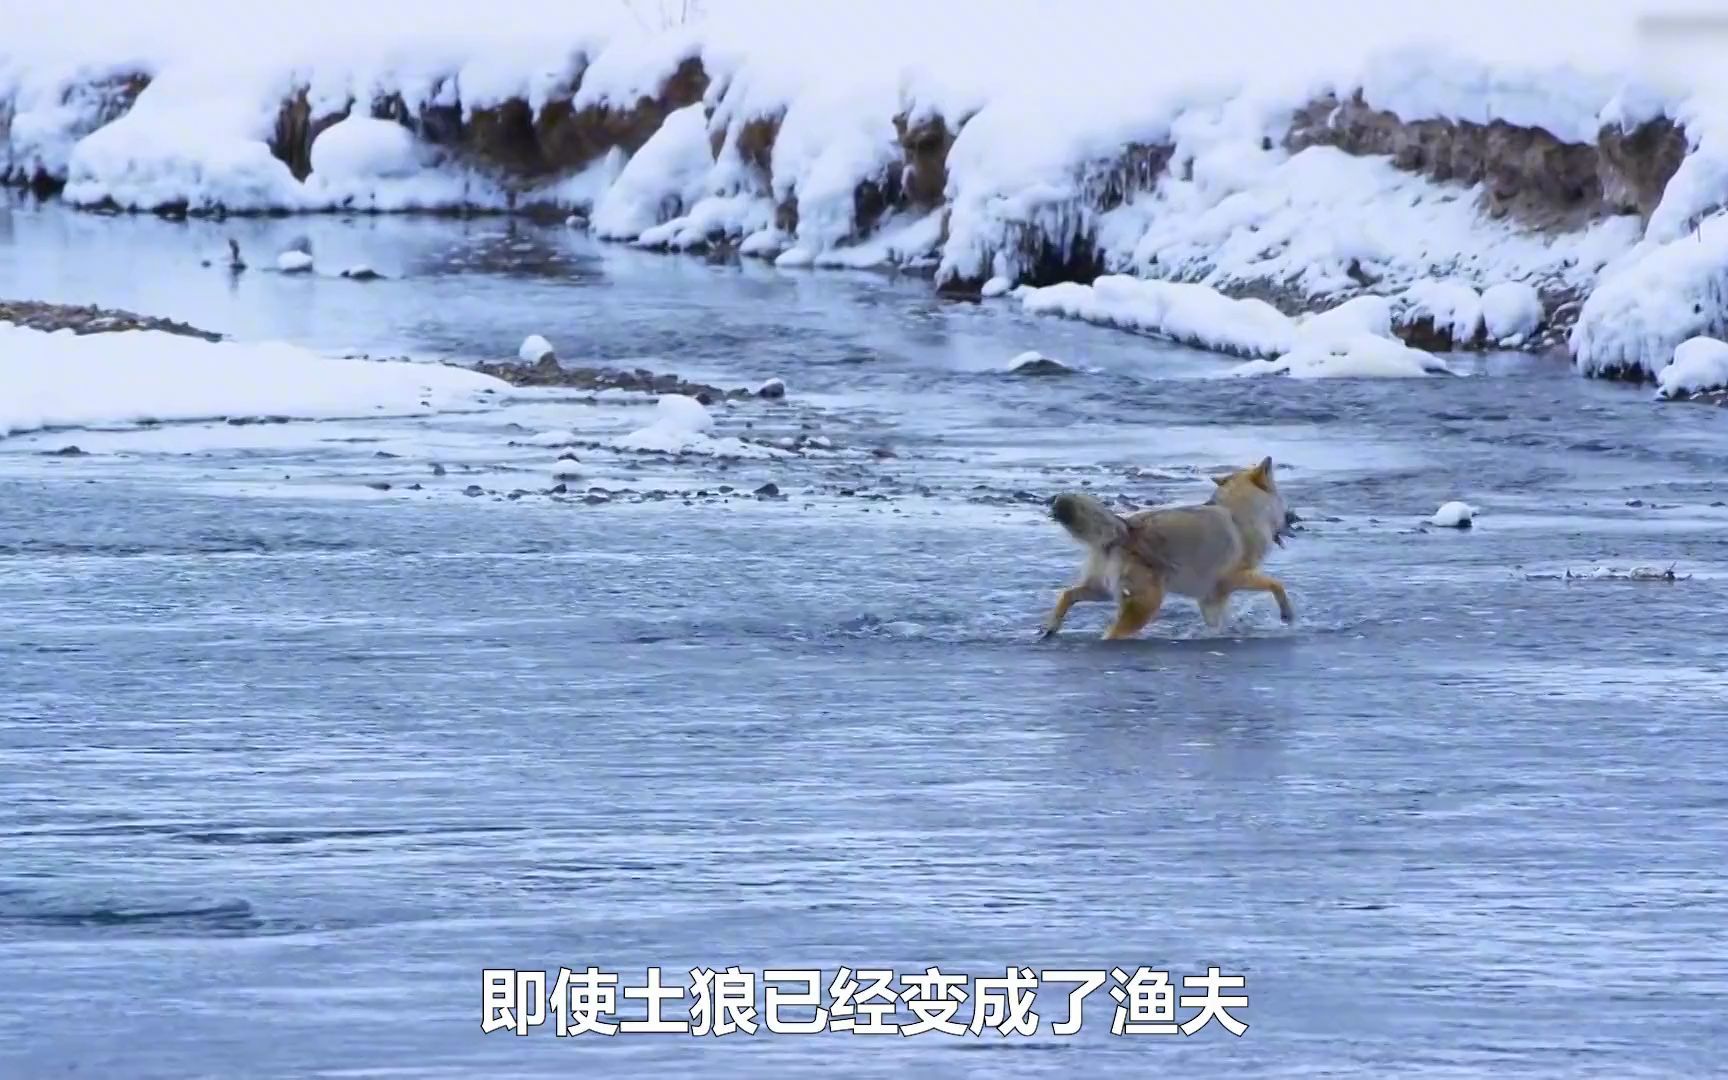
[{"x": 54, "y": 380}]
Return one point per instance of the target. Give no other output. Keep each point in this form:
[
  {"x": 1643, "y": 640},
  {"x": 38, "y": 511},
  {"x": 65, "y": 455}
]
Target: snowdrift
[{"x": 63, "y": 380}]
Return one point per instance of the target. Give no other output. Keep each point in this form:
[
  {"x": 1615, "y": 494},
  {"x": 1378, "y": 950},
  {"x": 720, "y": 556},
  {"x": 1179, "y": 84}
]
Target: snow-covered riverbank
[{"x": 1302, "y": 156}]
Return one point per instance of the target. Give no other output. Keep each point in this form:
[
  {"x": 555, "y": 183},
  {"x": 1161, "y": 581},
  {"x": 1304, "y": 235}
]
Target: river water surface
[{"x": 288, "y": 758}]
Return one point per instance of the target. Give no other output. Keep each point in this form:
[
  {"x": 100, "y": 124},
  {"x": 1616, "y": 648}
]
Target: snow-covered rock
[
  {"x": 1363, "y": 315},
  {"x": 662, "y": 179},
  {"x": 1192, "y": 314},
  {"x": 534, "y": 349},
  {"x": 1453, "y": 515},
  {"x": 294, "y": 261},
  {"x": 1511, "y": 312},
  {"x": 1452, "y": 308},
  {"x": 773, "y": 389},
  {"x": 1700, "y": 364},
  {"x": 70, "y": 380},
  {"x": 1359, "y": 356},
  {"x": 361, "y": 148}
]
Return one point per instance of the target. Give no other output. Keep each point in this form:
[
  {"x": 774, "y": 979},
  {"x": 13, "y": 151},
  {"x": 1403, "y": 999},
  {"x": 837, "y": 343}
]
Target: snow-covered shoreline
[{"x": 1311, "y": 155}]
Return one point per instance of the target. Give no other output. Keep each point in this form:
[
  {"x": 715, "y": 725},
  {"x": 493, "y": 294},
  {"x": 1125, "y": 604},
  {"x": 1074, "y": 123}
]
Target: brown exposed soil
[{"x": 1527, "y": 173}]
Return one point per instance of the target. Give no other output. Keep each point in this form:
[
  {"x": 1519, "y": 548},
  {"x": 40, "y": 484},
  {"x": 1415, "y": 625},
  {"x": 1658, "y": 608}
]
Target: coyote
[{"x": 1206, "y": 551}]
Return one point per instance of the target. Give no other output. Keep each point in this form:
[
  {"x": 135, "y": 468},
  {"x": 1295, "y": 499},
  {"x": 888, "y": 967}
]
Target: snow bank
[
  {"x": 1142, "y": 139},
  {"x": 1359, "y": 356},
  {"x": 1700, "y": 364},
  {"x": 1191, "y": 314},
  {"x": 63, "y": 380},
  {"x": 1655, "y": 299},
  {"x": 665, "y": 176}
]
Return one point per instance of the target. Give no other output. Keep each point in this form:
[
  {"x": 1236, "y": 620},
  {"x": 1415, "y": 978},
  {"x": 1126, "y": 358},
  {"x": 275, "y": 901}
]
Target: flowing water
[{"x": 298, "y": 736}]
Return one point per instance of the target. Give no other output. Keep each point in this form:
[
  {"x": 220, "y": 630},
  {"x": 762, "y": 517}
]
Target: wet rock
[
  {"x": 438, "y": 470},
  {"x": 379, "y": 485},
  {"x": 361, "y": 273},
  {"x": 558, "y": 489},
  {"x": 769, "y": 490},
  {"x": 66, "y": 451},
  {"x": 548, "y": 372},
  {"x": 773, "y": 390},
  {"x": 882, "y": 453},
  {"x": 473, "y": 491},
  {"x": 1034, "y": 363},
  {"x": 90, "y": 319},
  {"x": 596, "y": 500}
]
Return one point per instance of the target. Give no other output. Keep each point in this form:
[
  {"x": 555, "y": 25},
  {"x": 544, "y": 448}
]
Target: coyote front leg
[
  {"x": 1068, "y": 598},
  {"x": 1255, "y": 581}
]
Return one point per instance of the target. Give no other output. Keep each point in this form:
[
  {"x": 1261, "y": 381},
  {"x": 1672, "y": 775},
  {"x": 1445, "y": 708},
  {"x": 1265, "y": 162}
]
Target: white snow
[
  {"x": 533, "y": 349},
  {"x": 1652, "y": 301},
  {"x": 1511, "y": 312},
  {"x": 54, "y": 380},
  {"x": 294, "y": 261},
  {"x": 1453, "y": 307},
  {"x": 1358, "y": 356},
  {"x": 1700, "y": 364},
  {"x": 1453, "y": 515},
  {"x": 361, "y": 148},
  {"x": 1363, "y": 315},
  {"x": 996, "y": 286},
  {"x": 1048, "y": 105},
  {"x": 680, "y": 426},
  {"x": 664, "y": 177},
  {"x": 1192, "y": 314}
]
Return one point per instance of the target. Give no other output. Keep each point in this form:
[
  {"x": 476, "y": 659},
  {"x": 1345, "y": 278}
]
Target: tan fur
[{"x": 1206, "y": 552}]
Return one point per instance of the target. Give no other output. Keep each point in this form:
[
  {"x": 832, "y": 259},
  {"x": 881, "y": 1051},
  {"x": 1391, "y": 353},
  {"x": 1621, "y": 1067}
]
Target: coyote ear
[
  {"x": 1222, "y": 480},
  {"x": 1262, "y": 474}
]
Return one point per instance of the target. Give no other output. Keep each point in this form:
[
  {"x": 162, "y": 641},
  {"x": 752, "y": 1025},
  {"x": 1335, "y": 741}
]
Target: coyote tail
[{"x": 1088, "y": 520}]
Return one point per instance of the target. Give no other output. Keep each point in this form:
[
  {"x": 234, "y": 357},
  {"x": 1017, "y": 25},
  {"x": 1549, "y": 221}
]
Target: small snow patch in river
[
  {"x": 1454, "y": 515},
  {"x": 534, "y": 348}
]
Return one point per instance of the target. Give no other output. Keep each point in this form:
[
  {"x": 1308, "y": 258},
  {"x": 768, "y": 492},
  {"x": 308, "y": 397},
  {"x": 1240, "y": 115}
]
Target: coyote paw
[{"x": 1045, "y": 633}]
